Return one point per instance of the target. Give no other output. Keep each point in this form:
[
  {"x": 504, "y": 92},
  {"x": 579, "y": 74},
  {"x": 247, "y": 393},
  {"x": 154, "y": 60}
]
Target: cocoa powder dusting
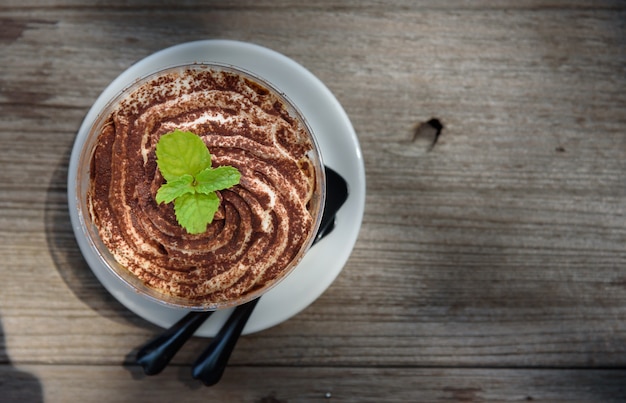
[{"x": 262, "y": 223}]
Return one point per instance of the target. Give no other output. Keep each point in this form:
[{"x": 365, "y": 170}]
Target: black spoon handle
[
  {"x": 157, "y": 353},
  {"x": 210, "y": 365}
]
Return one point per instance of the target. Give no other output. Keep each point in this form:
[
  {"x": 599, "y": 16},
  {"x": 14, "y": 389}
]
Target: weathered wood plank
[
  {"x": 493, "y": 231},
  {"x": 286, "y": 384},
  {"x": 324, "y": 5},
  {"x": 504, "y": 246}
]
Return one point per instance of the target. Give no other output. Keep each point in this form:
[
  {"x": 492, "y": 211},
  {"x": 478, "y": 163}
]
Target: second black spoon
[
  {"x": 211, "y": 364},
  {"x": 157, "y": 353}
]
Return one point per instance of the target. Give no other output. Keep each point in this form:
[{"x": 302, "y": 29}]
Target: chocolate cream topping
[{"x": 261, "y": 224}]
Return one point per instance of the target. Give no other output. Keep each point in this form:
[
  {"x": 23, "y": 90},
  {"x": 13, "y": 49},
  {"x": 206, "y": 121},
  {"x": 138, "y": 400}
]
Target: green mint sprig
[{"x": 185, "y": 163}]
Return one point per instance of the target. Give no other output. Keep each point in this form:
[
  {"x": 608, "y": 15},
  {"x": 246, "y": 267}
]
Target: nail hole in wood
[{"x": 427, "y": 133}]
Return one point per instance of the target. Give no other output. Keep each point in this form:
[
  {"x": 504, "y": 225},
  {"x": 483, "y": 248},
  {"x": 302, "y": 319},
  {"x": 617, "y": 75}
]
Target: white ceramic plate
[{"x": 340, "y": 151}]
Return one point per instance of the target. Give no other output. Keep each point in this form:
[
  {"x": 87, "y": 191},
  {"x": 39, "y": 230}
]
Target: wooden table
[{"x": 491, "y": 263}]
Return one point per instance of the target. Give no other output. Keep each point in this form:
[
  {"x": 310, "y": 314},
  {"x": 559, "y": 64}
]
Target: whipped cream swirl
[{"x": 262, "y": 223}]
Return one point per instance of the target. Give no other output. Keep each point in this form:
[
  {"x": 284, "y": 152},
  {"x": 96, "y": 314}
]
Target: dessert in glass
[{"x": 264, "y": 224}]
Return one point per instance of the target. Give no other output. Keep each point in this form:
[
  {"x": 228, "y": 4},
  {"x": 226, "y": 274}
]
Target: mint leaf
[
  {"x": 194, "y": 211},
  {"x": 191, "y": 183},
  {"x": 179, "y": 153},
  {"x": 219, "y": 178},
  {"x": 175, "y": 188}
]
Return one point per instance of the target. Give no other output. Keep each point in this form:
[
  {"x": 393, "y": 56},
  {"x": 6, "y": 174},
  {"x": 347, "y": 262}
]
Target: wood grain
[
  {"x": 270, "y": 384},
  {"x": 490, "y": 267}
]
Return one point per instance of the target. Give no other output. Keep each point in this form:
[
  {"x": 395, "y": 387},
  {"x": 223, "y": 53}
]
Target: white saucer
[{"x": 340, "y": 151}]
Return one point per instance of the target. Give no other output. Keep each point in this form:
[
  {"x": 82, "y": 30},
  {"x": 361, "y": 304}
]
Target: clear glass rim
[{"x": 89, "y": 230}]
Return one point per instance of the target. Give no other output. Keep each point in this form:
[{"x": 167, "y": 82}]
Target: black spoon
[
  {"x": 157, "y": 353},
  {"x": 211, "y": 364}
]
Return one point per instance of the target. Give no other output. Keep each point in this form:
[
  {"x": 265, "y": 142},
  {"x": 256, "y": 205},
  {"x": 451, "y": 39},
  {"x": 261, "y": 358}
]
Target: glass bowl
[{"x": 80, "y": 175}]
